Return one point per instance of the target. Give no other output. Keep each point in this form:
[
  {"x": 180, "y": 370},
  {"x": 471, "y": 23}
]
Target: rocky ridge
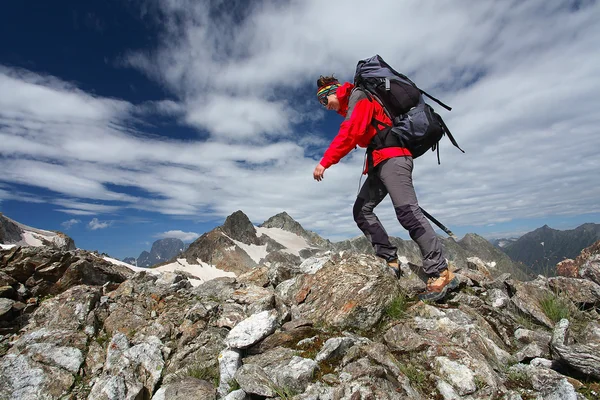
[
  {"x": 335, "y": 326},
  {"x": 15, "y": 233},
  {"x": 239, "y": 246}
]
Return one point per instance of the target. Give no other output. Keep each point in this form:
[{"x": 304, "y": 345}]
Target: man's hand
[{"x": 319, "y": 172}]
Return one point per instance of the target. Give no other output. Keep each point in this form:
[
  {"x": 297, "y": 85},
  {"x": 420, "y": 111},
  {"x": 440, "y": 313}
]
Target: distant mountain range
[
  {"x": 162, "y": 250},
  {"x": 540, "y": 250},
  {"x": 237, "y": 247}
]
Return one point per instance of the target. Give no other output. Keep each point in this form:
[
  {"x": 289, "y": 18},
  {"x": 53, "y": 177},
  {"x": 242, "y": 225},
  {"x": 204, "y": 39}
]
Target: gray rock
[
  {"x": 580, "y": 291},
  {"x": 230, "y": 360},
  {"x": 457, "y": 374},
  {"x": 236, "y": 395},
  {"x": 252, "y": 330},
  {"x": 334, "y": 348},
  {"x": 252, "y": 379},
  {"x": 6, "y": 306},
  {"x": 585, "y": 358},
  {"x": 25, "y": 379},
  {"x": 187, "y": 389},
  {"x": 498, "y": 298},
  {"x": 255, "y": 298},
  {"x": 139, "y": 366}
]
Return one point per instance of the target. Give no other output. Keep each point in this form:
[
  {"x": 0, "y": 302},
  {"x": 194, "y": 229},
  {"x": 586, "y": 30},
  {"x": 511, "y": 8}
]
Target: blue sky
[{"x": 122, "y": 122}]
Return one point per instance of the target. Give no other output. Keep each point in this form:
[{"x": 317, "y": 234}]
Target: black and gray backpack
[{"x": 415, "y": 125}]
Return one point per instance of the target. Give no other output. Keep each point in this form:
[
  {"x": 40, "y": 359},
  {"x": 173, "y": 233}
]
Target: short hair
[{"x": 326, "y": 80}]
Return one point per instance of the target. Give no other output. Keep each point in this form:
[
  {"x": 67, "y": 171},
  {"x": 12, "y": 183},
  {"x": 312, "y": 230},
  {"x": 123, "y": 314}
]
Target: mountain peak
[
  {"x": 239, "y": 227},
  {"x": 284, "y": 221}
]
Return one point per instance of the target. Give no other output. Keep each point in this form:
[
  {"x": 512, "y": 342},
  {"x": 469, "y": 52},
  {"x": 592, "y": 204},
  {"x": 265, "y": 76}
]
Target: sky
[{"x": 122, "y": 122}]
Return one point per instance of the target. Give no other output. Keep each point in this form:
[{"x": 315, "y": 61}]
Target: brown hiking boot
[{"x": 437, "y": 288}]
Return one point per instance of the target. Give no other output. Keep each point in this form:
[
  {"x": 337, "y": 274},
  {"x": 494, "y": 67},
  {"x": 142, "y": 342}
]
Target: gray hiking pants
[{"x": 394, "y": 176}]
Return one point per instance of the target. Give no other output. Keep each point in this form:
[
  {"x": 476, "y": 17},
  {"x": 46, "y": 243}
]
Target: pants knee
[{"x": 409, "y": 221}]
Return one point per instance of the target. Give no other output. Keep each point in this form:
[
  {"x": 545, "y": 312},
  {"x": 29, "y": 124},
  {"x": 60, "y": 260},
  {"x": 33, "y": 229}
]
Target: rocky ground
[{"x": 338, "y": 326}]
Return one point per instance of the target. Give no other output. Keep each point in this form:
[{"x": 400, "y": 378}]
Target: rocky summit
[{"x": 302, "y": 322}]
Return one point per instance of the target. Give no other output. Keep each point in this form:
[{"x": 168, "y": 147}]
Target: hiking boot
[
  {"x": 437, "y": 288},
  {"x": 394, "y": 268}
]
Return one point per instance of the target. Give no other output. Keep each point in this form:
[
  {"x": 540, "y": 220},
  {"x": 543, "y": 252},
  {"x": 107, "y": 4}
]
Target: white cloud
[
  {"x": 95, "y": 224},
  {"x": 522, "y": 78},
  {"x": 70, "y": 223},
  {"x": 177, "y": 234}
]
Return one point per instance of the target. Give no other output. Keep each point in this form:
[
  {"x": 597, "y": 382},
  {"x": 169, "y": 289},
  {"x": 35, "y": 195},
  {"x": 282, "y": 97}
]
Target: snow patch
[
  {"x": 255, "y": 252},
  {"x": 31, "y": 238},
  {"x": 203, "y": 271},
  {"x": 292, "y": 242},
  {"x": 7, "y": 246}
]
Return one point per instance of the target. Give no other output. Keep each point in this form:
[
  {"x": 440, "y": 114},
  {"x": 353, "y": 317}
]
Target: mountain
[
  {"x": 15, "y": 233},
  {"x": 79, "y": 325},
  {"x": 162, "y": 250},
  {"x": 238, "y": 246},
  {"x": 543, "y": 248},
  {"x": 130, "y": 260},
  {"x": 500, "y": 243}
]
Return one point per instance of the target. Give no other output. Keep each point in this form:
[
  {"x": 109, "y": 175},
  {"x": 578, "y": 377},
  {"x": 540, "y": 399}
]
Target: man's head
[{"x": 326, "y": 92}]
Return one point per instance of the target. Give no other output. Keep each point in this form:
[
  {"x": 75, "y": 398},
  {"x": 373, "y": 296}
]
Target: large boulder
[{"x": 349, "y": 291}]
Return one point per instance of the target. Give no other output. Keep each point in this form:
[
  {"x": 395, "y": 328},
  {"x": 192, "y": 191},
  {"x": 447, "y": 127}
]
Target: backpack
[{"x": 415, "y": 124}]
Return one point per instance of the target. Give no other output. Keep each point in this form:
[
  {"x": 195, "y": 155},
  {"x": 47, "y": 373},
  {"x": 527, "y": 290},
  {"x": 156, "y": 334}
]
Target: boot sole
[{"x": 453, "y": 284}]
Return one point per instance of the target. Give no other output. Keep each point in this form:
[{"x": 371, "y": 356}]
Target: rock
[
  {"x": 351, "y": 291},
  {"x": 218, "y": 289},
  {"x": 68, "y": 310},
  {"x": 236, "y": 395},
  {"x": 585, "y": 266},
  {"x": 284, "y": 338},
  {"x": 334, "y": 348},
  {"x": 8, "y": 292},
  {"x": 527, "y": 299},
  {"x": 403, "y": 338},
  {"x": 580, "y": 291},
  {"x": 255, "y": 298},
  {"x": 548, "y": 383},
  {"x": 295, "y": 324},
  {"x": 187, "y": 389},
  {"x": 252, "y": 330},
  {"x": 498, "y": 298},
  {"x": 584, "y": 358},
  {"x": 458, "y": 375},
  {"x": 530, "y": 352},
  {"x": 231, "y": 315},
  {"x": 252, "y": 379},
  {"x": 23, "y": 378},
  {"x": 230, "y": 360},
  {"x": 6, "y": 309},
  {"x": 256, "y": 276},
  {"x": 138, "y": 368}
]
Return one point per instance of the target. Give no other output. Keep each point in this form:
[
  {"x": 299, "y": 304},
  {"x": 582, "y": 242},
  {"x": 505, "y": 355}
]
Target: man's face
[{"x": 332, "y": 102}]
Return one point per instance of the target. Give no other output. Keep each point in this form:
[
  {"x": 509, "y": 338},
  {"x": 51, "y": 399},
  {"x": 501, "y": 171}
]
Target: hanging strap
[
  {"x": 436, "y": 100},
  {"x": 447, "y": 131}
]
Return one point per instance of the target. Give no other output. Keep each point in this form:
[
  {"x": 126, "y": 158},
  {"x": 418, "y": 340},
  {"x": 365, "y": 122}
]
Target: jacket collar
[{"x": 343, "y": 95}]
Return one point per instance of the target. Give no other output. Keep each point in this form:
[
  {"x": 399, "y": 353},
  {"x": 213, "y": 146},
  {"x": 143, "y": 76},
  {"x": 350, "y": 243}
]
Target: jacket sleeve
[{"x": 358, "y": 118}]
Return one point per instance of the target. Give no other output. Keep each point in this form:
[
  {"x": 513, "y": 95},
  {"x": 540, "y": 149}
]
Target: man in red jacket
[{"x": 389, "y": 172}]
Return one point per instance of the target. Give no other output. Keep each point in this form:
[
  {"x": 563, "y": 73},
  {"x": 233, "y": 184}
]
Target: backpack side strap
[{"x": 436, "y": 100}]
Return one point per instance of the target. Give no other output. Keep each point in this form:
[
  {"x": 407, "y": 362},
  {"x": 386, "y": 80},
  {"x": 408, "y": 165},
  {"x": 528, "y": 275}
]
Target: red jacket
[{"x": 356, "y": 129}]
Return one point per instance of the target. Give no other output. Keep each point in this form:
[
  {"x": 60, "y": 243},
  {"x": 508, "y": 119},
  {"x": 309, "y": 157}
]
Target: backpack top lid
[{"x": 374, "y": 67}]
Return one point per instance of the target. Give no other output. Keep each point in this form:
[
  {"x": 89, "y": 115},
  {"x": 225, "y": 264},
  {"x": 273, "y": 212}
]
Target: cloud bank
[{"x": 521, "y": 76}]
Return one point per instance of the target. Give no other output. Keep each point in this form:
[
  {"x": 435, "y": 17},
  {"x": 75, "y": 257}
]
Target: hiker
[{"x": 391, "y": 173}]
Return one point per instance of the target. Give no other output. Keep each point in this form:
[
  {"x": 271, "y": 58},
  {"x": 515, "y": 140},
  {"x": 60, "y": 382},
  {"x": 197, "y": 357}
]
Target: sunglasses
[{"x": 325, "y": 93}]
